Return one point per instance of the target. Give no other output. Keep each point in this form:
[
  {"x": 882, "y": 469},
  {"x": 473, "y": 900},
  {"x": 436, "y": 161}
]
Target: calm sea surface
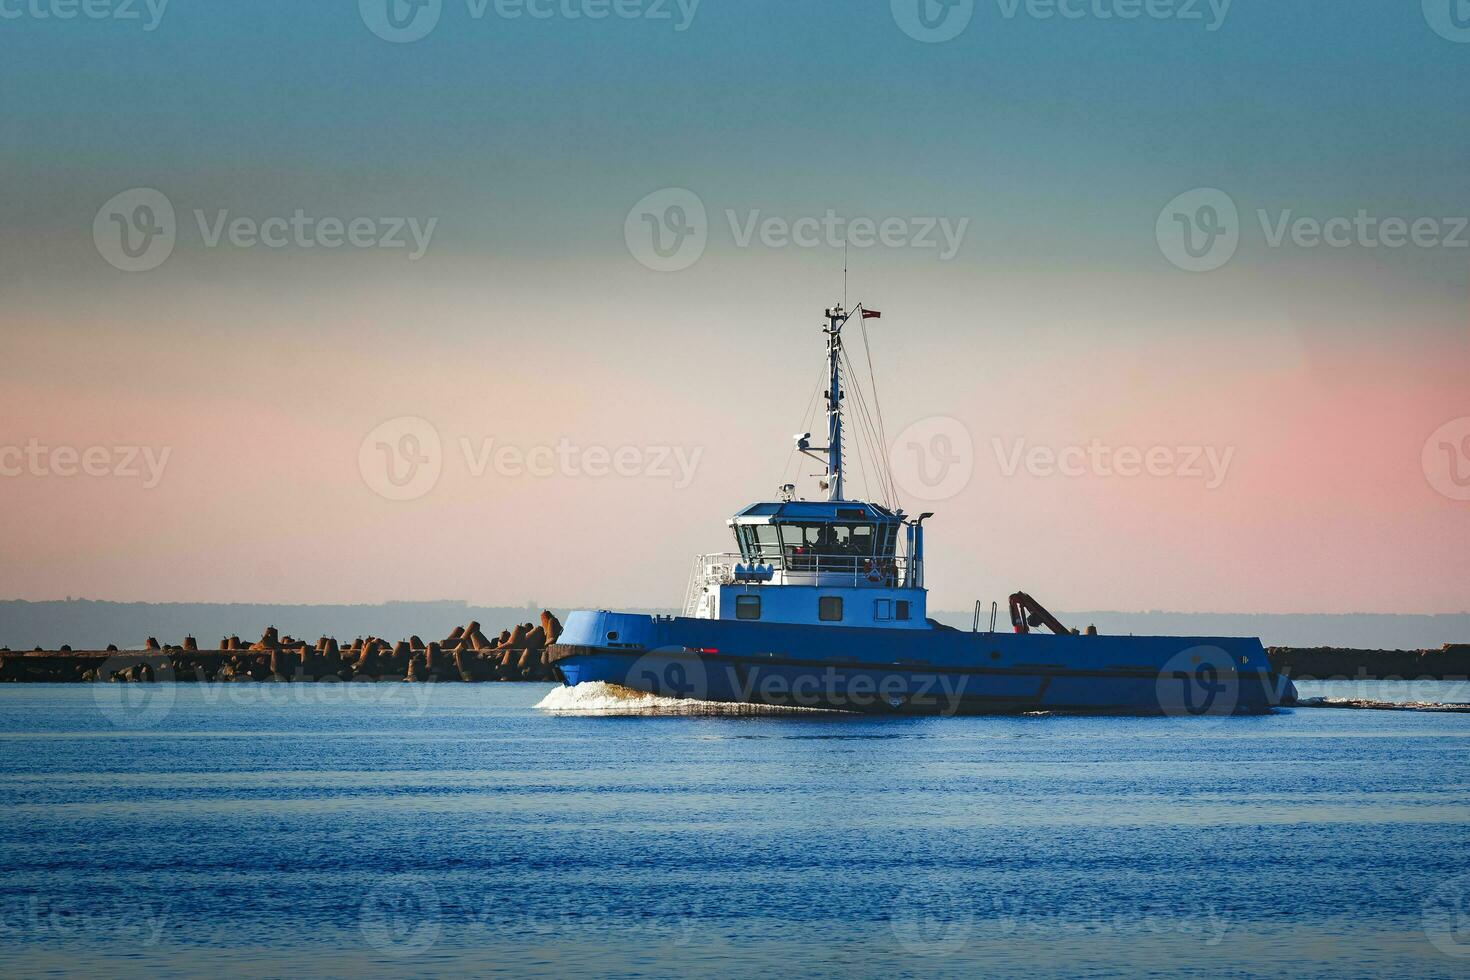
[{"x": 420, "y": 829}]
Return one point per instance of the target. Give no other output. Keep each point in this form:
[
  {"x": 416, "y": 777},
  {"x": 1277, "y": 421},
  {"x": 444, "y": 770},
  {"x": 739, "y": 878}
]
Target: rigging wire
[
  {"x": 806, "y": 421},
  {"x": 867, "y": 429},
  {"x": 878, "y": 409},
  {"x": 862, "y": 469}
]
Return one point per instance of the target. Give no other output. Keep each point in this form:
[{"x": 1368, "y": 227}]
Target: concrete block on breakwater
[
  {"x": 1449, "y": 662},
  {"x": 518, "y": 654}
]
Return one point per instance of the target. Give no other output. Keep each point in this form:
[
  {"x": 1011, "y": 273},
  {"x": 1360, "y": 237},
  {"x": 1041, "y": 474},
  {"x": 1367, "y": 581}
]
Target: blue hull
[{"x": 919, "y": 671}]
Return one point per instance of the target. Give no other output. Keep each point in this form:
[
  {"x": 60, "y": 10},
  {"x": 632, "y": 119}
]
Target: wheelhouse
[
  {"x": 851, "y": 538},
  {"x": 837, "y": 562}
]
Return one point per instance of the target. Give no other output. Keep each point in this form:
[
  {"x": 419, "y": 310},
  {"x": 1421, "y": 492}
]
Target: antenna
[{"x": 844, "y": 274}]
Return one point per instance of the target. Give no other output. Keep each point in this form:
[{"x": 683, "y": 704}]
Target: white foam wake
[{"x": 602, "y": 698}]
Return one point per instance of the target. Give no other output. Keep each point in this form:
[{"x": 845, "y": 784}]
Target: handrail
[{"x": 727, "y": 568}]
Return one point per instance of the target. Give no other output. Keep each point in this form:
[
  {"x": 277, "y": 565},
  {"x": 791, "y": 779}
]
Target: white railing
[
  {"x": 708, "y": 572},
  {"x": 727, "y": 568}
]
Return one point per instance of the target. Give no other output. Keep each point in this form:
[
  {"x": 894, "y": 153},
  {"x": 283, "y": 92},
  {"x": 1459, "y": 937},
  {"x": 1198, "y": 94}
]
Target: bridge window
[
  {"x": 882, "y": 609},
  {"x": 900, "y": 609},
  {"x": 747, "y": 607},
  {"x": 829, "y": 608},
  {"x": 767, "y": 544}
]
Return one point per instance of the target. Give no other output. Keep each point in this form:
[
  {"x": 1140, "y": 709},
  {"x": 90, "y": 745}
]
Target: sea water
[{"x": 275, "y": 829}]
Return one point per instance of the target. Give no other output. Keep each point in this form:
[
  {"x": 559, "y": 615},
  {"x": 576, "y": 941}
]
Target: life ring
[{"x": 873, "y": 572}]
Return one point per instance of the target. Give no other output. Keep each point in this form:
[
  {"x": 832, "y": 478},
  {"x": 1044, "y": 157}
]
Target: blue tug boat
[{"x": 824, "y": 606}]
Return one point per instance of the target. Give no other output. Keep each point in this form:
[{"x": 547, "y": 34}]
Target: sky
[{"x": 520, "y": 300}]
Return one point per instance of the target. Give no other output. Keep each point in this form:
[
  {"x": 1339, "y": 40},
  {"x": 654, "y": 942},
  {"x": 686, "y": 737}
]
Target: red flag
[{"x": 871, "y": 314}]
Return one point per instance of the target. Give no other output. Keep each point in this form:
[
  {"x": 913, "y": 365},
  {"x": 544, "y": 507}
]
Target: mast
[{"x": 836, "y": 317}]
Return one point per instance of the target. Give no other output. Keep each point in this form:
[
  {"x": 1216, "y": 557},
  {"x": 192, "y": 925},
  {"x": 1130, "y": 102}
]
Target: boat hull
[{"x": 937, "y": 671}]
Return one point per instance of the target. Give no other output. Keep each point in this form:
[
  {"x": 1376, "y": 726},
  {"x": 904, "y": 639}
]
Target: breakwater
[
  {"x": 466, "y": 654},
  {"x": 1448, "y": 662}
]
